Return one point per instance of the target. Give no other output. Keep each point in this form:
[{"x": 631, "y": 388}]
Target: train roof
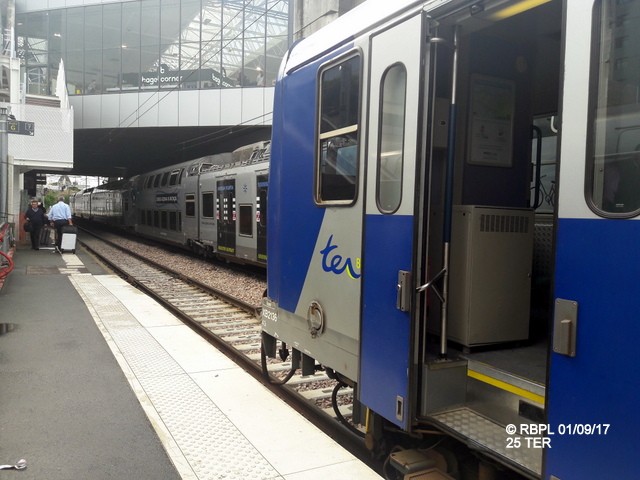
[
  {"x": 248, "y": 155},
  {"x": 205, "y": 164},
  {"x": 121, "y": 184},
  {"x": 346, "y": 28}
]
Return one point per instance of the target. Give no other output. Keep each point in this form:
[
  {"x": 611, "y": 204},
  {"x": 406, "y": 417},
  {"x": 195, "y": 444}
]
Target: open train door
[
  {"x": 394, "y": 98},
  {"x": 593, "y": 385}
]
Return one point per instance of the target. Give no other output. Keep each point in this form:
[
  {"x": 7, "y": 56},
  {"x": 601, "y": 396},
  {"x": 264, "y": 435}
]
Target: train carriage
[
  {"x": 240, "y": 188},
  {"x": 195, "y": 204},
  {"x": 160, "y": 203},
  {"x": 112, "y": 203},
  {"x": 452, "y": 206},
  {"x": 229, "y": 195},
  {"x": 199, "y": 224},
  {"x": 80, "y": 203}
]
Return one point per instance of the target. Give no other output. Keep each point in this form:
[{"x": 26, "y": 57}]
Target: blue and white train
[
  {"x": 411, "y": 141},
  {"x": 214, "y": 205}
]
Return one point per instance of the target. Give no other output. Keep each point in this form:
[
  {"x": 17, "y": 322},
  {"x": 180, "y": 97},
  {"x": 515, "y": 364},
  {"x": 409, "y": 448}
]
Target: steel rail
[{"x": 296, "y": 400}]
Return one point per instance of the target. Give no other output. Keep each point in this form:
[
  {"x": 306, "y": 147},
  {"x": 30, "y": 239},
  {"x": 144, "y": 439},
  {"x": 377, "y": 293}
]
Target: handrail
[{"x": 5, "y": 266}]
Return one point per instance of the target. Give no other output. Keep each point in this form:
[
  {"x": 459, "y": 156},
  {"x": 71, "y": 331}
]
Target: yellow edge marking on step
[{"x": 505, "y": 386}]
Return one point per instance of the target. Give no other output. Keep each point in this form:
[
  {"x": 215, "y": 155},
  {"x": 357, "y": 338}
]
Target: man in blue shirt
[{"x": 60, "y": 216}]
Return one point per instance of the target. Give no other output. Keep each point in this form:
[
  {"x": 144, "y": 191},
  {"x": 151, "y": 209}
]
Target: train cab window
[
  {"x": 614, "y": 143},
  {"x": 208, "y": 205},
  {"x": 337, "y": 148},
  {"x": 190, "y": 205},
  {"x": 246, "y": 220},
  {"x": 391, "y": 143}
]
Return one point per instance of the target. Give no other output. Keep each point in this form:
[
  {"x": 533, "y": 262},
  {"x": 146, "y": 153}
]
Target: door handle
[
  {"x": 565, "y": 324},
  {"x": 405, "y": 292}
]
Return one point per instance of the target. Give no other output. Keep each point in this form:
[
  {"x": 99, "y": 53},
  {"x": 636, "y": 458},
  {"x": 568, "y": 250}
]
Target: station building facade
[
  {"x": 142, "y": 77},
  {"x": 201, "y": 65},
  {"x": 142, "y": 46}
]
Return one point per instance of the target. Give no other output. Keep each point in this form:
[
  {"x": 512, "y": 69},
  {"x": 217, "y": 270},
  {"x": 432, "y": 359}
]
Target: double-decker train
[
  {"x": 214, "y": 205},
  {"x": 411, "y": 142}
]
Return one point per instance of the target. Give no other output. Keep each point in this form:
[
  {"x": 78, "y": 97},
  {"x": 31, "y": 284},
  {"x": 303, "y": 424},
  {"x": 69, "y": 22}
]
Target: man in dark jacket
[{"x": 36, "y": 216}]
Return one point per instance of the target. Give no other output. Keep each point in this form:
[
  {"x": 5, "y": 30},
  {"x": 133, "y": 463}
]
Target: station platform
[{"x": 99, "y": 381}]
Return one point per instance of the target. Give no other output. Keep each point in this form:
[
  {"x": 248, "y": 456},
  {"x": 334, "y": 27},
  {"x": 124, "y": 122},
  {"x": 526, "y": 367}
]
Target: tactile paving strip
[
  {"x": 491, "y": 435},
  {"x": 212, "y": 445}
]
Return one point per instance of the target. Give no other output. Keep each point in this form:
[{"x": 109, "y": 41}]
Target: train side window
[
  {"x": 337, "y": 147},
  {"x": 173, "y": 221},
  {"x": 173, "y": 178},
  {"x": 542, "y": 198},
  {"x": 613, "y": 157},
  {"x": 156, "y": 218},
  {"x": 391, "y": 138},
  {"x": 190, "y": 205},
  {"x": 163, "y": 219},
  {"x": 207, "y": 205},
  {"x": 165, "y": 179},
  {"x": 156, "y": 180},
  {"x": 246, "y": 220},
  {"x": 262, "y": 207}
]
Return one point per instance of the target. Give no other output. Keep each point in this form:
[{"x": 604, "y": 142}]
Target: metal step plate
[{"x": 476, "y": 429}]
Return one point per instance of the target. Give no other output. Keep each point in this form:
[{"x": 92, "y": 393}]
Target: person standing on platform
[
  {"x": 37, "y": 217},
  {"x": 60, "y": 216}
]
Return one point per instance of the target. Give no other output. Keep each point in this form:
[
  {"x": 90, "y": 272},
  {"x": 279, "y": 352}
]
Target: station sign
[{"x": 21, "y": 128}]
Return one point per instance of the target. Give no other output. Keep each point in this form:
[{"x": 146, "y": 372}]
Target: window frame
[
  {"x": 594, "y": 188},
  {"x": 381, "y": 126},
  {"x": 212, "y": 205},
  {"x": 174, "y": 177},
  {"x": 341, "y": 131},
  {"x": 243, "y": 223},
  {"x": 190, "y": 203}
]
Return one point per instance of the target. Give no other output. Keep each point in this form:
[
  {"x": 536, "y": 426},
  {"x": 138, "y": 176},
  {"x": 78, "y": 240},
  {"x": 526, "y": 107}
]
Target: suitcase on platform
[
  {"x": 45, "y": 236},
  {"x": 69, "y": 237}
]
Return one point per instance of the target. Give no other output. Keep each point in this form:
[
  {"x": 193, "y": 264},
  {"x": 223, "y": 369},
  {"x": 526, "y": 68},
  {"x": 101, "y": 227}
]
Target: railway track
[{"x": 233, "y": 326}]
